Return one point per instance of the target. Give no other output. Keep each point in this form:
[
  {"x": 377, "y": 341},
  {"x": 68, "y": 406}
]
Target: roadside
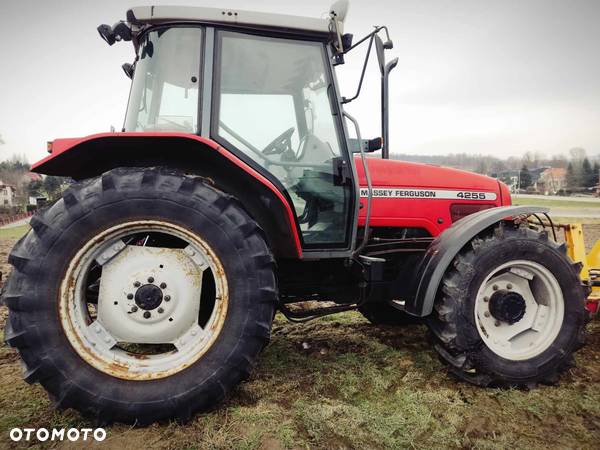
[
  {"x": 559, "y": 198},
  {"x": 18, "y": 223}
]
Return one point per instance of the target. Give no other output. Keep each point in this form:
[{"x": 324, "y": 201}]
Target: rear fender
[
  {"x": 81, "y": 158},
  {"x": 447, "y": 245}
]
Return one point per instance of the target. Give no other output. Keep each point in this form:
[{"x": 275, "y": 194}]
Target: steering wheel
[{"x": 280, "y": 144}]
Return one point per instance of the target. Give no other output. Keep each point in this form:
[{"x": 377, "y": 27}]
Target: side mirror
[
  {"x": 347, "y": 41},
  {"x": 380, "y": 50}
]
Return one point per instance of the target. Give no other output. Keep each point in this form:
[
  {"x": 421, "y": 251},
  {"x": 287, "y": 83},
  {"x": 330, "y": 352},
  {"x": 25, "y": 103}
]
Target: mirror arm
[
  {"x": 370, "y": 35},
  {"x": 362, "y": 75}
]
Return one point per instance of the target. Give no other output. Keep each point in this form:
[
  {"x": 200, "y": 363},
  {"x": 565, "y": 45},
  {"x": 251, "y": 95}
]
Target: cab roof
[{"x": 151, "y": 15}]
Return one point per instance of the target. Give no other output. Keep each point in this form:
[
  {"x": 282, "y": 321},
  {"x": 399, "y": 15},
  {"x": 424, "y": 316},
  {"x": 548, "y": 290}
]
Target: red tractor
[{"x": 234, "y": 191}]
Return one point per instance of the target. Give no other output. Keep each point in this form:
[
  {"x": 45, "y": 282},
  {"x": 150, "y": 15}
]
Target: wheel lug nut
[
  {"x": 486, "y": 299},
  {"x": 495, "y": 287},
  {"x": 134, "y": 308},
  {"x": 160, "y": 310},
  {"x": 486, "y": 314},
  {"x": 137, "y": 284},
  {"x": 130, "y": 296},
  {"x": 497, "y": 323},
  {"x": 150, "y": 279},
  {"x": 163, "y": 285},
  {"x": 147, "y": 315},
  {"x": 509, "y": 286},
  {"x": 167, "y": 298}
]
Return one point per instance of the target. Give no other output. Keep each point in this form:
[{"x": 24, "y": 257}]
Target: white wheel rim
[
  {"x": 543, "y": 313},
  {"x": 147, "y": 295}
]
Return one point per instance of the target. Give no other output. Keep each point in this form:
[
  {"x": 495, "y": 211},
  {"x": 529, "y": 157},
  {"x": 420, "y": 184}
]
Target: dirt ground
[{"x": 342, "y": 383}]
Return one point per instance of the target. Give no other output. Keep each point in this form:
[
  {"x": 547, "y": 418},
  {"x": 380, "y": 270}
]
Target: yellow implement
[{"x": 590, "y": 270}]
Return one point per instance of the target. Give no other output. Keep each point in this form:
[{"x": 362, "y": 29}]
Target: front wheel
[
  {"x": 141, "y": 295},
  {"x": 511, "y": 310}
]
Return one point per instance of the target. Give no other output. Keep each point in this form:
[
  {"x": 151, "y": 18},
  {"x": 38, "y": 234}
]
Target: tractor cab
[{"x": 268, "y": 97}]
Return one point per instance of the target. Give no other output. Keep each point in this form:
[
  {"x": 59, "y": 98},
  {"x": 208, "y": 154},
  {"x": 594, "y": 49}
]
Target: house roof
[
  {"x": 31, "y": 176},
  {"x": 555, "y": 172}
]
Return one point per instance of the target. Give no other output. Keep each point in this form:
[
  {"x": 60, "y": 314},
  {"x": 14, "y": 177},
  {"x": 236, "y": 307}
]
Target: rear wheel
[
  {"x": 511, "y": 310},
  {"x": 141, "y": 295}
]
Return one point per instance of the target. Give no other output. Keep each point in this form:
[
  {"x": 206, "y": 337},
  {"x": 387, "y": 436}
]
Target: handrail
[{"x": 369, "y": 185}]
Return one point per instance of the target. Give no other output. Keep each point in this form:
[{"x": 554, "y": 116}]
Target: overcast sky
[{"x": 479, "y": 76}]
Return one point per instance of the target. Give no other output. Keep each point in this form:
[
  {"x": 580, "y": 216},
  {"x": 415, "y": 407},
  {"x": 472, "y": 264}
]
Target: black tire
[
  {"x": 382, "y": 313},
  {"x": 86, "y": 208},
  {"x": 453, "y": 326}
]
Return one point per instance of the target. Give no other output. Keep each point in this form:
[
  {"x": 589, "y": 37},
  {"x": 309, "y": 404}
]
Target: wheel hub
[
  {"x": 507, "y": 306},
  {"x": 160, "y": 310},
  {"x": 519, "y": 309},
  {"x": 149, "y": 297},
  {"x": 120, "y": 335}
]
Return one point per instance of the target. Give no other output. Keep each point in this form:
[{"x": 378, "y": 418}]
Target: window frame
[
  {"x": 201, "y": 74},
  {"x": 318, "y": 250}
]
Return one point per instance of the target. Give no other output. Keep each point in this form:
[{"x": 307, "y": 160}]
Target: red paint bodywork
[
  {"x": 60, "y": 146},
  {"x": 432, "y": 215},
  {"x": 421, "y": 213}
]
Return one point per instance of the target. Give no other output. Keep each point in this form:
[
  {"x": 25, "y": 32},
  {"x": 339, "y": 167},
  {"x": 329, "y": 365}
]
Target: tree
[
  {"x": 525, "y": 177},
  {"x": 587, "y": 173},
  {"x": 52, "y": 186},
  {"x": 2, "y": 140},
  {"x": 558, "y": 161},
  {"x": 596, "y": 176},
  {"x": 577, "y": 154},
  {"x": 572, "y": 177},
  {"x": 35, "y": 188},
  {"x": 481, "y": 168}
]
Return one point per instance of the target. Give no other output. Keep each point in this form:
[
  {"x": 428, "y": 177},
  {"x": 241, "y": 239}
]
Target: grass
[
  {"x": 352, "y": 385},
  {"x": 554, "y": 203},
  {"x": 339, "y": 383},
  {"x": 14, "y": 232},
  {"x": 583, "y": 220}
]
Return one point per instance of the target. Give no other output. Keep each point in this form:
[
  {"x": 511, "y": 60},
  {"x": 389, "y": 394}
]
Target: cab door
[{"x": 274, "y": 105}]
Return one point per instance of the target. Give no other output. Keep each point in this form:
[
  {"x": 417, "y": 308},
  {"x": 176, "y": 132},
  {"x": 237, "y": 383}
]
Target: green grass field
[
  {"x": 13, "y": 233},
  {"x": 554, "y": 203},
  {"x": 356, "y": 386},
  {"x": 342, "y": 383}
]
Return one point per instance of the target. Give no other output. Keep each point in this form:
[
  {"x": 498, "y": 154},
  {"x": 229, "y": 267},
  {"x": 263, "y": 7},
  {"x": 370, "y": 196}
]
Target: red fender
[{"x": 60, "y": 147}]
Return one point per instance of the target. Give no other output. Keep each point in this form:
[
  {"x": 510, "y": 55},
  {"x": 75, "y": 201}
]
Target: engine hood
[
  {"x": 413, "y": 195},
  {"x": 388, "y": 173}
]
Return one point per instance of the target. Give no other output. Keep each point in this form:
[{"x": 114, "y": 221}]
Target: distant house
[
  {"x": 547, "y": 180},
  {"x": 7, "y": 194},
  {"x": 510, "y": 178},
  {"x": 552, "y": 180},
  {"x": 28, "y": 177}
]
